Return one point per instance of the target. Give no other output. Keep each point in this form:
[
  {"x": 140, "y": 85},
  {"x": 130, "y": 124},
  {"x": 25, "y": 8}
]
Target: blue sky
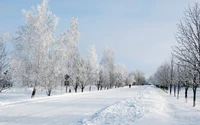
[{"x": 140, "y": 31}]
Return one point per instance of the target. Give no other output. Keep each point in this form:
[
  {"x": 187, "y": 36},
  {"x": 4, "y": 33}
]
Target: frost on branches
[
  {"x": 5, "y": 77},
  {"x": 33, "y": 47}
]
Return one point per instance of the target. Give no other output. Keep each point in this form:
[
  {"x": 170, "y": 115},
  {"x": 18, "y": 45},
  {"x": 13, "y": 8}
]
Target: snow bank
[{"x": 124, "y": 112}]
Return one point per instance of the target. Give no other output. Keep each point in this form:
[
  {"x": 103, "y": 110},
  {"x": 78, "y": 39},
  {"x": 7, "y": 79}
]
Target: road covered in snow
[{"x": 140, "y": 105}]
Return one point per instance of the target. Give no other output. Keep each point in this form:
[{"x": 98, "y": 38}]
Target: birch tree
[
  {"x": 73, "y": 54},
  {"x": 120, "y": 75},
  {"x": 108, "y": 62},
  {"x": 93, "y": 66},
  {"x": 33, "y": 44}
]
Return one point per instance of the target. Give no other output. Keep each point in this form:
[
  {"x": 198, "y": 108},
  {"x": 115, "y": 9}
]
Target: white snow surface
[{"x": 139, "y": 105}]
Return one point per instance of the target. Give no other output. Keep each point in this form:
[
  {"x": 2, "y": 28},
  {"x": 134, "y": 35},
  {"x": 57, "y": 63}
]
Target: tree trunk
[
  {"x": 33, "y": 92},
  {"x": 90, "y": 88},
  {"x": 101, "y": 87},
  {"x": 178, "y": 91},
  {"x": 82, "y": 89},
  {"x": 48, "y": 92},
  {"x": 170, "y": 87},
  {"x": 174, "y": 90},
  {"x": 186, "y": 91},
  {"x": 194, "y": 96},
  {"x": 76, "y": 87},
  {"x": 70, "y": 90}
]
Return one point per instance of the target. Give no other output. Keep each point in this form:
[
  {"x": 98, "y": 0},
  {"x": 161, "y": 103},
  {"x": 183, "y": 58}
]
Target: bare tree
[{"x": 188, "y": 38}]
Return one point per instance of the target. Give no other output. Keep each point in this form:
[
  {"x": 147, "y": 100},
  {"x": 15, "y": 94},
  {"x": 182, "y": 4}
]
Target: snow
[{"x": 139, "y": 105}]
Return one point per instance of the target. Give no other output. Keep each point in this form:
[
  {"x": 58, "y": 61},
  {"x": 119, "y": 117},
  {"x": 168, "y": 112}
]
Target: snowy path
[
  {"x": 140, "y": 105},
  {"x": 64, "y": 109}
]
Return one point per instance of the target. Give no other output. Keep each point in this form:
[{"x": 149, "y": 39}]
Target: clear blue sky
[{"x": 140, "y": 31}]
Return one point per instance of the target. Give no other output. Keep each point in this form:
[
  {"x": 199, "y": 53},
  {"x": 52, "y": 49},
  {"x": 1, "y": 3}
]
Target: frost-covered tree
[
  {"x": 5, "y": 78},
  {"x": 53, "y": 75},
  {"x": 104, "y": 78},
  {"x": 139, "y": 77},
  {"x": 3, "y": 54},
  {"x": 171, "y": 73},
  {"x": 71, "y": 41},
  {"x": 108, "y": 62},
  {"x": 120, "y": 75},
  {"x": 83, "y": 72},
  {"x": 33, "y": 44},
  {"x": 131, "y": 78},
  {"x": 93, "y": 67}
]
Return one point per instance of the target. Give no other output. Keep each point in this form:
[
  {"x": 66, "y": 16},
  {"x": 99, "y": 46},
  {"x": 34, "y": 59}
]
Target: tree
[
  {"x": 107, "y": 62},
  {"x": 5, "y": 76},
  {"x": 139, "y": 77},
  {"x": 83, "y": 72},
  {"x": 162, "y": 77},
  {"x": 93, "y": 66},
  {"x": 131, "y": 78},
  {"x": 171, "y": 73},
  {"x": 53, "y": 73},
  {"x": 104, "y": 78},
  {"x": 33, "y": 45},
  {"x": 120, "y": 75},
  {"x": 73, "y": 54},
  {"x": 186, "y": 76},
  {"x": 188, "y": 38}
]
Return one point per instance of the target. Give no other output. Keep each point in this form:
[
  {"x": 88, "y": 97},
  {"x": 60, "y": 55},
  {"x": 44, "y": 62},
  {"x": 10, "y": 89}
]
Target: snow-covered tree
[
  {"x": 3, "y": 54},
  {"x": 53, "y": 74},
  {"x": 72, "y": 37},
  {"x": 120, "y": 75},
  {"x": 104, "y": 78},
  {"x": 139, "y": 77},
  {"x": 83, "y": 72},
  {"x": 93, "y": 67},
  {"x": 5, "y": 78},
  {"x": 131, "y": 78},
  {"x": 108, "y": 62},
  {"x": 33, "y": 45}
]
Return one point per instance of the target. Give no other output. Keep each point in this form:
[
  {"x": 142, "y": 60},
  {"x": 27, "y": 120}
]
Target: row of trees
[
  {"x": 39, "y": 60},
  {"x": 183, "y": 70}
]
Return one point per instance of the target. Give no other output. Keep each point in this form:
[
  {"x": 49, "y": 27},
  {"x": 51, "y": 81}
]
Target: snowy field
[{"x": 140, "y": 105}]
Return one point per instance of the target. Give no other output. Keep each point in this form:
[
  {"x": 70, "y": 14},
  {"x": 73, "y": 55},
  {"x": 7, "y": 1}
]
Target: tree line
[
  {"x": 39, "y": 60},
  {"x": 183, "y": 69}
]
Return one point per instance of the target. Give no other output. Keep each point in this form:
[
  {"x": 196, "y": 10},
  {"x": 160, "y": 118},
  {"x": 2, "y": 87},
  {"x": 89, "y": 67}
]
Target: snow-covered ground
[{"x": 140, "y": 105}]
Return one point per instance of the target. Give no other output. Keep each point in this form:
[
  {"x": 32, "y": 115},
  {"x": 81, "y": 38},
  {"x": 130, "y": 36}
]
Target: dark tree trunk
[
  {"x": 194, "y": 95},
  {"x": 98, "y": 87},
  {"x": 82, "y": 89},
  {"x": 178, "y": 91},
  {"x": 186, "y": 91},
  {"x": 170, "y": 89},
  {"x": 101, "y": 87},
  {"x": 174, "y": 90},
  {"x": 76, "y": 87},
  {"x": 70, "y": 90},
  {"x": 90, "y": 88},
  {"x": 48, "y": 92},
  {"x": 33, "y": 92}
]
